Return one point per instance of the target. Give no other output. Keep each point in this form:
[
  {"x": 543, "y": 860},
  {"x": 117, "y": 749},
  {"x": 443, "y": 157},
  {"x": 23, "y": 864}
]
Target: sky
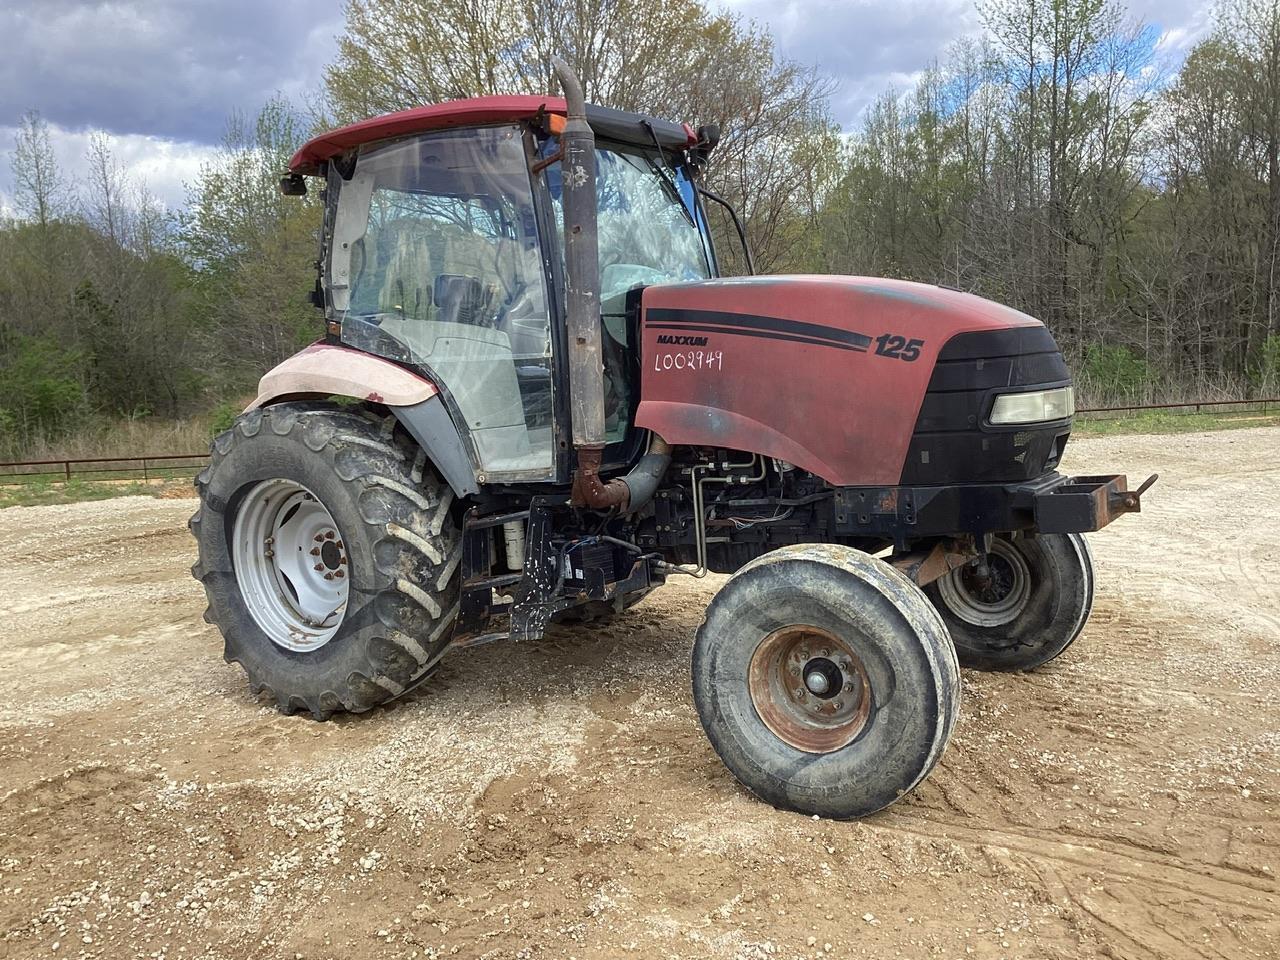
[{"x": 162, "y": 76}]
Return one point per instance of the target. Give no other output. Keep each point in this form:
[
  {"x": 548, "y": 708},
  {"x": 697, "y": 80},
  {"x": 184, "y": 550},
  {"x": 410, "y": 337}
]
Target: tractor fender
[{"x": 327, "y": 370}]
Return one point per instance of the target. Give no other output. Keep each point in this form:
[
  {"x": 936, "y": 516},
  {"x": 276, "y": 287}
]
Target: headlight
[{"x": 1036, "y": 407}]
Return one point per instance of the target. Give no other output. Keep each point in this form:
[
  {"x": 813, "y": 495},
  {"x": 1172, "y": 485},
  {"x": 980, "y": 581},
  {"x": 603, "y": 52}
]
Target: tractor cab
[{"x": 444, "y": 252}]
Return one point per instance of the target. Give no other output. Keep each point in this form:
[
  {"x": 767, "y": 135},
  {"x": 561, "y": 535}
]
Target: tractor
[{"x": 536, "y": 399}]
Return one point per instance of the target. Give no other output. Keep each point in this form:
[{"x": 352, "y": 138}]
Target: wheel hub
[
  {"x": 810, "y": 688},
  {"x": 290, "y": 564},
  {"x": 992, "y": 594}
]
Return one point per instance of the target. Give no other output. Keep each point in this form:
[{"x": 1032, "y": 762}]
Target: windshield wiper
[{"x": 665, "y": 175}]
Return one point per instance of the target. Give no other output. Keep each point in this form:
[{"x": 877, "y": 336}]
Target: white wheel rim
[
  {"x": 291, "y": 565},
  {"x": 972, "y": 606}
]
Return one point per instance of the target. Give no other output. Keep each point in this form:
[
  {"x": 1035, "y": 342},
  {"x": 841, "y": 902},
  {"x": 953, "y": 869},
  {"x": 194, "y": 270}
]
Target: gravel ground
[{"x": 558, "y": 799}]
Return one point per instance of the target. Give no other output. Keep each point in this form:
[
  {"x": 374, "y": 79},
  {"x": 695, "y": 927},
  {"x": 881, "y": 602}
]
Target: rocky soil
[{"x": 559, "y": 800}]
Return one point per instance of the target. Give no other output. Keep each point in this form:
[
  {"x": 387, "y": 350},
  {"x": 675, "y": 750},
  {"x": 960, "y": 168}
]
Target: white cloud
[
  {"x": 869, "y": 46},
  {"x": 164, "y": 166}
]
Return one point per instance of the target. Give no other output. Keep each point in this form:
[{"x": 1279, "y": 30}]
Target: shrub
[
  {"x": 1116, "y": 372},
  {"x": 223, "y": 417}
]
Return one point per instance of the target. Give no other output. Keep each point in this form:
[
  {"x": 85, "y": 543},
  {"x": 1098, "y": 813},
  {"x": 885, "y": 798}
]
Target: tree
[
  {"x": 668, "y": 58},
  {"x": 40, "y": 191},
  {"x": 253, "y": 249}
]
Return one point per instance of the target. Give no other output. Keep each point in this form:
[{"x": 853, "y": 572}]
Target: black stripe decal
[
  {"x": 828, "y": 336},
  {"x": 761, "y": 334}
]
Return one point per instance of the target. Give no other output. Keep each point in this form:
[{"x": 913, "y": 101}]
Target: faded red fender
[{"x": 340, "y": 371}]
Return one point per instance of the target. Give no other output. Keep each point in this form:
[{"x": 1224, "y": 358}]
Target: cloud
[
  {"x": 866, "y": 45},
  {"x": 869, "y": 46},
  {"x": 165, "y": 68},
  {"x": 163, "y": 166}
]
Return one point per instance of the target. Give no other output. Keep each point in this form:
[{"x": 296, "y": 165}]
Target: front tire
[
  {"x": 1032, "y": 606},
  {"x": 825, "y": 681},
  {"x": 329, "y": 556}
]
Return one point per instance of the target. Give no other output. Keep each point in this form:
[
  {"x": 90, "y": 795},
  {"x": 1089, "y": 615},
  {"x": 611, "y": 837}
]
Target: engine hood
[{"x": 827, "y": 373}]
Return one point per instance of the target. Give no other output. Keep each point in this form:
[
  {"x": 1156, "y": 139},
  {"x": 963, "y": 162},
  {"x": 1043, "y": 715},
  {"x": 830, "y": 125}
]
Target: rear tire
[
  {"x": 825, "y": 681},
  {"x": 382, "y": 523},
  {"x": 1036, "y": 605}
]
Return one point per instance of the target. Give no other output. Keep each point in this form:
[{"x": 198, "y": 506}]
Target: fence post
[
  {"x": 67, "y": 465},
  {"x": 144, "y": 469}
]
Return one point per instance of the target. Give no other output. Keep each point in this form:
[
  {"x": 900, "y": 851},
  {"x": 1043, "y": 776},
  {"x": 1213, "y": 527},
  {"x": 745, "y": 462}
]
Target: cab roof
[{"x": 607, "y": 123}]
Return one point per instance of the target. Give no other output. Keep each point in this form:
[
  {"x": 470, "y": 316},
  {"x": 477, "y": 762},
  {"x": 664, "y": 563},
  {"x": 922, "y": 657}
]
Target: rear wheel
[
  {"x": 825, "y": 681},
  {"x": 1026, "y": 608},
  {"x": 329, "y": 556}
]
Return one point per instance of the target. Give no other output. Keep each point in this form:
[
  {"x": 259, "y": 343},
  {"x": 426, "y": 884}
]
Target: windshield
[
  {"x": 435, "y": 260},
  {"x": 647, "y": 234},
  {"x": 647, "y": 228}
]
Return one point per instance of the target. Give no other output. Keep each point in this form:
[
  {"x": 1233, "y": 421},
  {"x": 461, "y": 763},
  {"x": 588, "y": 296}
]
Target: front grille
[{"x": 952, "y": 443}]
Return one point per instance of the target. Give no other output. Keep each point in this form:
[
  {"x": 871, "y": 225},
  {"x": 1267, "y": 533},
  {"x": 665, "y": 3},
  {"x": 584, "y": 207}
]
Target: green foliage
[
  {"x": 39, "y": 392},
  {"x": 252, "y": 249},
  {"x": 1115, "y": 372},
  {"x": 1265, "y": 373},
  {"x": 223, "y": 417}
]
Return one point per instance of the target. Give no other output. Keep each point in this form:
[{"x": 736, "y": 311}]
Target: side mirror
[
  {"x": 293, "y": 185},
  {"x": 708, "y": 136}
]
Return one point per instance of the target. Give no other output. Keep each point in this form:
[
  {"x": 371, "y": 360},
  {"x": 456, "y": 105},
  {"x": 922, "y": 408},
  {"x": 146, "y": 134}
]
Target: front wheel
[
  {"x": 825, "y": 681},
  {"x": 1025, "y": 608}
]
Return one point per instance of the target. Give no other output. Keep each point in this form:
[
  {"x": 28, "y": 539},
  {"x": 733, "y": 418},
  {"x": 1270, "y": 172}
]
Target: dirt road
[{"x": 559, "y": 799}]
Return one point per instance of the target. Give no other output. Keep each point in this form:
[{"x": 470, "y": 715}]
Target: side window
[{"x": 437, "y": 261}]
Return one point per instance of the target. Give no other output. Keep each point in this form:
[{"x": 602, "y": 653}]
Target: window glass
[
  {"x": 647, "y": 235},
  {"x": 436, "y": 261}
]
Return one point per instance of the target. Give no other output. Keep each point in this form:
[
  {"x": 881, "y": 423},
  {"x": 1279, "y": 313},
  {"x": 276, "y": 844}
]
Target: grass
[
  {"x": 1168, "y": 421},
  {"x": 120, "y": 438},
  {"x": 39, "y": 493}
]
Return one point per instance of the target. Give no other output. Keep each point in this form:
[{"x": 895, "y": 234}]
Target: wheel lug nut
[
  {"x": 824, "y": 652},
  {"x": 801, "y": 693},
  {"x": 339, "y": 574},
  {"x": 315, "y": 551},
  {"x": 268, "y": 554},
  {"x": 835, "y": 705},
  {"x": 319, "y": 566},
  {"x": 269, "y": 541},
  {"x": 804, "y": 654},
  {"x": 328, "y": 576},
  {"x": 342, "y": 560},
  {"x": 328, "y": 535},
  {"x": 340, "y": 546},
  {"x": 848, "y": 687},
  {"x": 319, "y": 538}
]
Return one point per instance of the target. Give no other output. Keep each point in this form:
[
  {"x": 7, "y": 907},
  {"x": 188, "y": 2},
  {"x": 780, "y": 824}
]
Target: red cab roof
[
  {"x": 438, "y": 116},
  {"x": 478, "y": 111}
]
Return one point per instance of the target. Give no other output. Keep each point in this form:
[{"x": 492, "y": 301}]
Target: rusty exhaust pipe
[{"x": 582, "y": 299}]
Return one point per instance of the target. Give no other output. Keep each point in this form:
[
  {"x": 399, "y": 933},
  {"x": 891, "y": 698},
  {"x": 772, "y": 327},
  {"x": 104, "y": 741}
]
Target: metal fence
[
  {"x": 180, "y": 466},
  {"x": 184, "y": 466},
  {"x": 1260, "y": 405}
]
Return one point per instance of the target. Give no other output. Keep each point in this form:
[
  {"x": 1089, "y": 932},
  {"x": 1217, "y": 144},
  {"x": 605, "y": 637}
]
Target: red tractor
[{"x": 536, "y": 399}]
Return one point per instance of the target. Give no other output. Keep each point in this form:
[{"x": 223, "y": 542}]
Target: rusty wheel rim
[{"x": 810, "y": 688}]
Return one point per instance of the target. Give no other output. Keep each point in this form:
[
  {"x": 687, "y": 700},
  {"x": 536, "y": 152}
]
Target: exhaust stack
[{"x": 582, "y": 298}]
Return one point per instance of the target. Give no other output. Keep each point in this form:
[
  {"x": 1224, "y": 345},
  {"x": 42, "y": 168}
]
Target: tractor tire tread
[{"x": 404, "y": 615}]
